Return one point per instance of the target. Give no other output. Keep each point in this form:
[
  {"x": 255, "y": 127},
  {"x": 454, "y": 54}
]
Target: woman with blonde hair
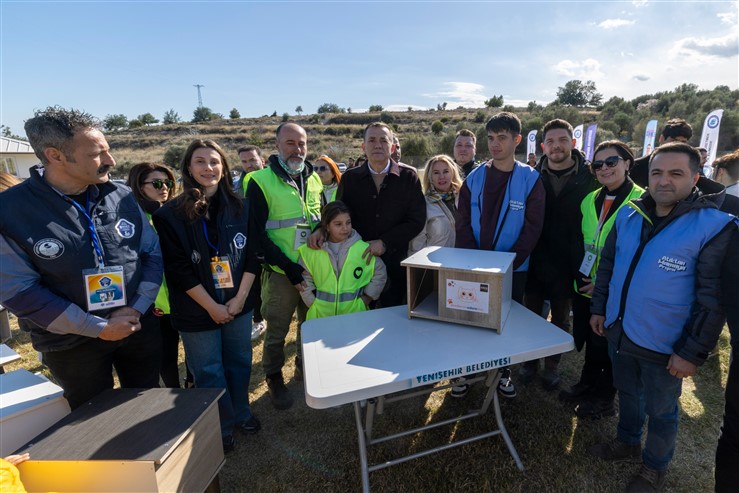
[
  {"x": 441, "y": 184},
  {"x": 330, "y": 176}
]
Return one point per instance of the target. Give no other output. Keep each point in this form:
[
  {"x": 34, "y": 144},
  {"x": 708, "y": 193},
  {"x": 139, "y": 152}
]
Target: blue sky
[{"x": 141, "y": 56}]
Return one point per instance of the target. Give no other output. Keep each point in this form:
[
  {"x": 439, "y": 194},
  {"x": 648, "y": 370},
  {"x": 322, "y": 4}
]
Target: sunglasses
[
  {"x": 322, "y": 168},
  {"x": 158, "y": 184},
  {"x": 610, "y": 161}
]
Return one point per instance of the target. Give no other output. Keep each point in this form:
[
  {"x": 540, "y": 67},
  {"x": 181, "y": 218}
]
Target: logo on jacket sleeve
[
  {"x": 239, "y": 241},
  {"x": 48, "y": 248},
  {"x": 671, "y": 264},
  {"x": 195, "y": 257},
  {"x": 125, "y": 229}
]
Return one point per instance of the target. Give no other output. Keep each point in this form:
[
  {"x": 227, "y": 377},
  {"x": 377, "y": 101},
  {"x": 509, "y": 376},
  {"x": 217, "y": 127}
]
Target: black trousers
[
  {"x": 86, "y": 370},
  {"x": 597, "y": 370},
  {"x": 727, "y": 453}
]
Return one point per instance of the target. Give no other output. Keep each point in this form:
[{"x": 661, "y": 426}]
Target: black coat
[{"x": 550, "y": 272}]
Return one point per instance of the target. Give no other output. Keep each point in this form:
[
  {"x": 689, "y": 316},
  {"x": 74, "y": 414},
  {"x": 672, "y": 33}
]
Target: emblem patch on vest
[
  {"x": 671, "y": 264},
  {"x": 125, "y": 229},
  {"x": 48, "y": 248},
  {"x": 195, "y": 257},
  {"x": 239, "y": 241},
  {"x": 515, "y": 205},
  {"x": 358, "y": 272}
]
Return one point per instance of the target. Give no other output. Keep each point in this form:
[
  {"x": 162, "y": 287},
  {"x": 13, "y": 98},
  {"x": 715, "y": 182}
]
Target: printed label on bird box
[{"x": 467, "y": 296}]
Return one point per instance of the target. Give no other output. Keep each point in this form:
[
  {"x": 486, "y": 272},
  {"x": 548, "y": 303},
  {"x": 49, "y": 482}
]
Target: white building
[{"x": 16, "y": 157}]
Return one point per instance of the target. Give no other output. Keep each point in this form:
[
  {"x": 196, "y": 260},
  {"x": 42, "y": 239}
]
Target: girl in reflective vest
[{"x": 340, "y": 280}]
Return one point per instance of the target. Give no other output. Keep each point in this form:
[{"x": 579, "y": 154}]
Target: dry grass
[{"x": 307, "y": 450}]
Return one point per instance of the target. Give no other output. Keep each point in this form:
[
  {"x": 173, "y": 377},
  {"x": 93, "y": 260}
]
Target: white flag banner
[
  {"x": 709, "y": 137},
  {"x": 577, "y": 134},
  {"x": 590, "y": 141},
  {"x": 649, "y": 134},
  {"x": 531, "y": 143}
]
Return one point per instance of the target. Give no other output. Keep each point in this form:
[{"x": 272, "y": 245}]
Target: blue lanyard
[
  {"x": 205, "y": 232},
  {"x": 90, "y": 226}
]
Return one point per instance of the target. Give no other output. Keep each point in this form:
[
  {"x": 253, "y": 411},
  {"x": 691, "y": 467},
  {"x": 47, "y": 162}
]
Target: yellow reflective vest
[
  {"x": 337, "y": 296},
  {"x": 162, "y": 300},
  {"x": 287, "y": 209},
  {"x": 594, "y": 238}
]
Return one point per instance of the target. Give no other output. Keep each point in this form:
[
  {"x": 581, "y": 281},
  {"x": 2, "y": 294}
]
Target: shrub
[
  {"x": 386, "y": 117},
  {"x": 437, "y": 127},
  {"x": 173, "y": 156}
]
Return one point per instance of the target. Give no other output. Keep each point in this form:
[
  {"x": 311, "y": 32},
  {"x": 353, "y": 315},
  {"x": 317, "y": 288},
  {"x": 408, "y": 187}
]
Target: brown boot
[{"x": 647, "y": 481}]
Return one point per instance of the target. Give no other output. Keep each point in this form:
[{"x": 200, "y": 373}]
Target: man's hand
[
  {"x": 302, "y": 285},
  {"x": 588, "y": 287},
  {"x": 597, "y": 323},
  {"x": 220, "y": 314},
  {"x": 315, "y": 239},
  {"x": 119, "y": 328},
  {"x": 376, "y": 248},
  {"x": 680, "y": 368}
]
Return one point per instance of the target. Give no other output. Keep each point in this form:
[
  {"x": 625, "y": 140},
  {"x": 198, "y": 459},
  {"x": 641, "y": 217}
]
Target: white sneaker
[{"x": 257, "y": 329}]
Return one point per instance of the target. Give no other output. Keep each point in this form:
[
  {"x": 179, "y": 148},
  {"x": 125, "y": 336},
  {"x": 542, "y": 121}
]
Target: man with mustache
[
  {"x": 567, "y": 180},
  {"x": 82, "y": 266},
  {"x": 657, "y": 300},
  {"x": 284, "y": 201}
]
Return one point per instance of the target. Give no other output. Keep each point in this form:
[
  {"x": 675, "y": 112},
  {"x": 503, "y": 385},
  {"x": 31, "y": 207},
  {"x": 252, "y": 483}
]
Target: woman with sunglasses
[
  {"x": 330, "y": 176},
  {"x": 210, "y": 268},
  {"x": 153, "y": 185},
  {"x": 594, "y": 393}
]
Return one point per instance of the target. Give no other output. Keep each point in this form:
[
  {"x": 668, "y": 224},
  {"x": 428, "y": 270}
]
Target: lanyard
[
  {"x": 90, "y": 226},
  {"x": 207, "y": 240}
]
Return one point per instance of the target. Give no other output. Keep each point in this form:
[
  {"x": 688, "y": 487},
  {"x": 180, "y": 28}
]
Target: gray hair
[{"x": 55, "y": 127}]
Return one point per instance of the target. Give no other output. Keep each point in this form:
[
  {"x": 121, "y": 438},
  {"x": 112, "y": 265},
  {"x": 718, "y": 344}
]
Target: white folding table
[{"x": 361, "y": 358}]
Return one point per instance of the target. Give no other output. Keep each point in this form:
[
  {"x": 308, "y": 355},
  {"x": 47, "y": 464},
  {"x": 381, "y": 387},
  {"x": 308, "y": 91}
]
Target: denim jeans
[
  {"x": 647, "y": 389},
  {"x": 221, "y": 359}
]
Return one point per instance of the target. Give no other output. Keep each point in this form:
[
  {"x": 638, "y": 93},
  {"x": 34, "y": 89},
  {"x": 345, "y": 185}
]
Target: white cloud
[
  {"x": 641, "y": 77},
  {"x": 727, "y": 18},
  {"x": 467, "y": 94},
  {"x": 586, "y": 69},
  {"x": 639, "y": 3},
  {"x": 614, "y": 23},
  {"x": 703, "y": 49}
]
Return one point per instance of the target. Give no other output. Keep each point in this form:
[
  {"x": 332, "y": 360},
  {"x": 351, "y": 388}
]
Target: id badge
[
  {"x": 588, "y": 261},
  {"x": 302, "y": 231},
  {"x": 104, "y": 287},
  {"x": 220, "y": 268}
]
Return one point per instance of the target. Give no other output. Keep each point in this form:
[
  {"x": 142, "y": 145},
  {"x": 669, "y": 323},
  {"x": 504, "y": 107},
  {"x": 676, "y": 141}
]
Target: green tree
[
  {"x": 111, "y": 123},
  {"x": 416, "y": 149},
  {"x": 6, "y": 132},
  {"x": 437, "y": 127},
  {"x": 274, "y": 113},
  {"x": 135, "y": 123},
  {"x": 202, "y": 114},
  {"x": 299, "y": 110},
  {"x": 577, "y": 93},
  {"x": 494, "y": 102},
  {"x": 386, "y": 117},
  {"x": 285, "y": 116},
  {"x": 480, "y": 116},
  {"x": 173, "y": 155},
  {"x": 330, "y": 108},
  {"x": 147, "y": 119},
  {"x": 234, "y": 114},
  {"x": 170, "y": 117},
  {"x": 375, "y": 108}
]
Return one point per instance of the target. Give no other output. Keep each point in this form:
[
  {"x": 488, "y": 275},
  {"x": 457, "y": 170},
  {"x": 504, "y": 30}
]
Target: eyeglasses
[
  {"x": 610, "y": 161},
  {"x": 322, "y": 168},
  {"x": 158, "y": 184}
]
